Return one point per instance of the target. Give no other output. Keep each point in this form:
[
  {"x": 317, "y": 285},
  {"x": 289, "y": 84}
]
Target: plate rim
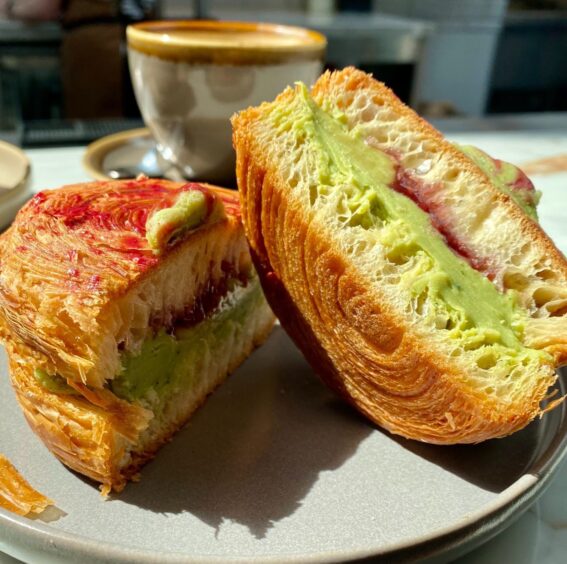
[{"x": 461, "y": 536}]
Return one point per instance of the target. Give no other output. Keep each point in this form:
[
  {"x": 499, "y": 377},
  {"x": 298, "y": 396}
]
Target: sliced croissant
[{"x": 411, "y": 273}]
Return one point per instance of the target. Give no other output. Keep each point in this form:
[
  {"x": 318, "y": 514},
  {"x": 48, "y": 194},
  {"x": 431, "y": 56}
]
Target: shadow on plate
[
  {"x": 493, "y": 465},
  {"x": 254, "y": 452}
]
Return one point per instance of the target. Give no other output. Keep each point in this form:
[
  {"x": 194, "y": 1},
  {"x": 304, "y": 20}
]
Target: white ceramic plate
[{"x": 274, "y": 468}]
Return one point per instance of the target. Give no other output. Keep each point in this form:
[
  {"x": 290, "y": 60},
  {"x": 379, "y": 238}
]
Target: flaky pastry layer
[{"x": 104, "y": 437}]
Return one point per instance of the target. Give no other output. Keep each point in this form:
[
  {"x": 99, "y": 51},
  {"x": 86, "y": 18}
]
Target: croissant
[
  {"x": 412, "y": 273},
  {"x": 122, "y": 306}
]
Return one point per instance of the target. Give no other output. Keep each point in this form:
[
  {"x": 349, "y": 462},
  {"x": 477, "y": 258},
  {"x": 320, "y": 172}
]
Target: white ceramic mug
[{"x": 190, "y": 76}]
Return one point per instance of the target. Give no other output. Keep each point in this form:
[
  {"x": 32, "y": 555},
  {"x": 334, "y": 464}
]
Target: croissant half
[
  {"x": 411, "y": 273},
  {"x": 122, "y": 306}
]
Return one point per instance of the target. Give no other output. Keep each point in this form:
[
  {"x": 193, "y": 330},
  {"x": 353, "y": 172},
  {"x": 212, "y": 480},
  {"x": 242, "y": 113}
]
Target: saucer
[{"x": 125, "y": 155}]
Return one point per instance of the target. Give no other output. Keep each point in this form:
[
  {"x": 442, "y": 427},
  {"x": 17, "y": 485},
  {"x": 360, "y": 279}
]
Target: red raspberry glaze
[
  {"x": 101, "y": 227},
  {"x": 423, "y": 194}
]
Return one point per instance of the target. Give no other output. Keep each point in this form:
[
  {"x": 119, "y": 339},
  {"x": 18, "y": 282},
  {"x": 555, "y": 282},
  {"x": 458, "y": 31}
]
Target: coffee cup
[{"x": 189, "y": 77}]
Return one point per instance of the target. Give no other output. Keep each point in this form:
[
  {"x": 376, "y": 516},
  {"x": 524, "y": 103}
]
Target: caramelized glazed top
[{"x": 86, "y": 236}]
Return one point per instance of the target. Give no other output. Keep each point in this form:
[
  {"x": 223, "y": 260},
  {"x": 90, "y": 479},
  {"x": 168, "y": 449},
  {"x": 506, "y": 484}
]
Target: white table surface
[{"x": 540, "y": 535}]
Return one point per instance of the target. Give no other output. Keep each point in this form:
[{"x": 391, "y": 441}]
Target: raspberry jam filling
[
  {"x": 506, "y": 177},
  {"x": 208, "y": 300},
  {"x": 423, "y": 194}
]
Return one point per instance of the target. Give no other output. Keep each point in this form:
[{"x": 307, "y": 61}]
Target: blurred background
[{"x": 64, "y": 77}]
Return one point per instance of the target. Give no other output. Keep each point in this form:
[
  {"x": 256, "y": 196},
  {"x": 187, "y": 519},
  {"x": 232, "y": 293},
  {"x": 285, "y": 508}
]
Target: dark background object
[
  {"x": 530, "y": 68},
  {"x": 398, "y": 76}
]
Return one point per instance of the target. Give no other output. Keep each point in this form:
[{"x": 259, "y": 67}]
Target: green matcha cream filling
[
  {"x": 170, "y": 363},
  {"x": 443, "y": 288},
  {"x": 503, "y": 177},
  {"x": 53, "y": 383},
  {"x": 168, "y": 224}
]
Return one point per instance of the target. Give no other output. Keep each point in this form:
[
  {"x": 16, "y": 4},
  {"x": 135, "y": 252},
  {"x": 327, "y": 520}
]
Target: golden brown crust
[
  {"x": 345, "y": 326},
  {"x": 16, "y": 495},
  {"x": 88, "y": 438},
  {"x": 354, "y": 343},
  {"x": 351, "y": 79}
]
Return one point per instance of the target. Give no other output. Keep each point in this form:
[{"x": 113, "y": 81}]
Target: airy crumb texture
[
  {"x": 338, "y": 289},
  {"x": 16, "y": 495},
  {"x": 520, "y": 257}
]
